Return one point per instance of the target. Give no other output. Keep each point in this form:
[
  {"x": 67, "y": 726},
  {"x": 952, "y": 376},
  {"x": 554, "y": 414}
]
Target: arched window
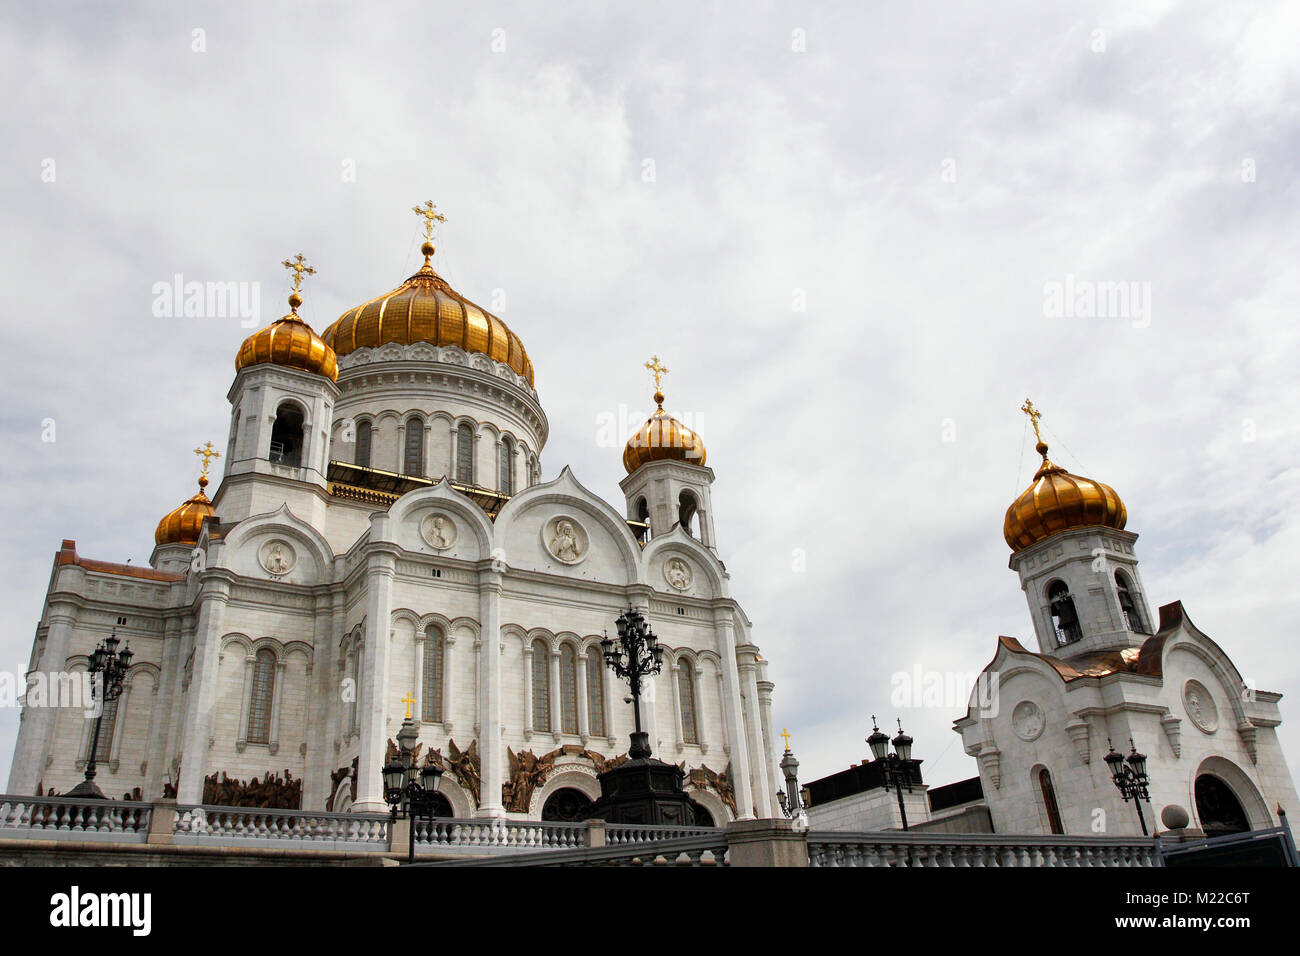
[
  {"x": 1128, "y": 607},
  {"x": 1049, "y": 801},
  {"x": 643, "y": 515},
  {"x": 567, "y": 806},
  {"x": 354, "y": 671},
  {"x": 363, "y": 444},
  {"x": 506, "y": 480},
  {"x": 686, "y": 691},
  {"x": 413, "y": 459},
  {"x": 596, "y": 691},
  {"x": 541, "y": 686},
  {"x": 286, "y": 436},
  {"x": 434, "y": 647},
  {"x": 568, "y": 690},
  {"x": 1064, "y": 617},
  {"x": 686, "y": 508},
  {"x": 259, "y": 701},
  {"x": 104, "y": 746},
  {"x": 465, "y": 455}
]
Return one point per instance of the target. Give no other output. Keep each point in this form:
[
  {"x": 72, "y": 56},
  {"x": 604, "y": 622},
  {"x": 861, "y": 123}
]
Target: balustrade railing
[
  {"x": 75, "y": 818},
  {"x": 364, "y": 831},
  {"x": 829, "y": 848},
  {"x": 708, "y": 848}
]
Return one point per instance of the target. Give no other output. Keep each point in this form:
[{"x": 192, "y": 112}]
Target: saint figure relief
[{"x": 565, "y": 543}]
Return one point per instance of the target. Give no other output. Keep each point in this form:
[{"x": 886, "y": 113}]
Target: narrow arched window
[
  {"x": 568, "y": 690},
  {"x": 363, "y": 444},
  {"x": 686, "y": 508},
  {"x": 413, "y": 461},
  {"x": 1064, "y": 617},
  {"x": 686, "y": 691},
  {"x": 259, "y": 701},
  {"x": 354, "y": 671},
  {"x": 286, "y": 436},
  {"x": 1049, "y": 801},
  {"x": 1128, "y": 606},
  {"x": 596, "y": 691},
  {"x": 104, "y": 746},
  {"x": 465, "y": 455},
  {"x": 506, "y": 480},
  {"x": 643, "y": 516},
  {"x": 434, "y": 648},
  {"x": 541, "y": 686}
]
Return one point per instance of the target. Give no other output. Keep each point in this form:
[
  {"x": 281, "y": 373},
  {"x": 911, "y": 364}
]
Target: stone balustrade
[
  {"x": 895, "y": 848},
  {"x": 49, "y": 818}
]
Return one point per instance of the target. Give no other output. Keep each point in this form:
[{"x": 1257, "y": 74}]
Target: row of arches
[
  {"x": 516, "y": 465},
  {"x": 688, "y": 507}
]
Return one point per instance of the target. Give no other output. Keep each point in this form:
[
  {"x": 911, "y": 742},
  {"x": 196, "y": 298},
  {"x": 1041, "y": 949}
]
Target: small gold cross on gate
[
  {"x": 786, "y": 734},
  {"x": 408, "y": 700},
  {"x": 430, "y": 215},
  {"x": 299, "y": 266},
  {"x": 1034, "y": 415},
  {"x": 656, "y": 370},
  {"x": 207, "y": 453}
]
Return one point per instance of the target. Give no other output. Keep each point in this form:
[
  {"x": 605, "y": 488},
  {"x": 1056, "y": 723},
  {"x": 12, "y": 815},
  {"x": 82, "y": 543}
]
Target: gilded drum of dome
[{"x": 425, "y": 308}]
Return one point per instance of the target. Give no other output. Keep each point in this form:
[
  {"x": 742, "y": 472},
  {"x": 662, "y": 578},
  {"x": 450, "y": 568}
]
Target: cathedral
[{"x": 381, "y": 545}]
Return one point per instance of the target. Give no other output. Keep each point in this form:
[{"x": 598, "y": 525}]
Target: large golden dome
[
  {"x": 1057, "y": 501},
  {"x": 289, "y": 341},
  {"x": 425, "y": 308},
  {"x": 182, "y": 525},
  {"x": 663, "y": 437}
]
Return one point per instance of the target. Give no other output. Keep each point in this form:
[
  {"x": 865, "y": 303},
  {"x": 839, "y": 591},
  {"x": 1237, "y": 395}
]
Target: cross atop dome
[
  {"x": 300, "y": 268},
  {"x": 429, "y": 213},
  {"x": 207, "y": 453}
]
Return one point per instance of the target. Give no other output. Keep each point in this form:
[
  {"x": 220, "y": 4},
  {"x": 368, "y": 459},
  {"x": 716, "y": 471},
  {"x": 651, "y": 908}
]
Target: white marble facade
[{"x": 335, "y": 598}]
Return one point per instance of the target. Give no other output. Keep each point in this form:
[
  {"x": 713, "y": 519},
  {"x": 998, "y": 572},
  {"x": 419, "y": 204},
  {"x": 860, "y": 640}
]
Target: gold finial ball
[
  {"x": 426, "y": 250},
  {"x": 659, "y": 398},
  {"x": 295, "y": 300},
  {"x": 203, "y": 481},
  {"x": 1041, "y": 448}
]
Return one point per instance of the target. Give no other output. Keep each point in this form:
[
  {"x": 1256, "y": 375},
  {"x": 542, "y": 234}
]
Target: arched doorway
[
  {"x": 703, "y": 818},
  {"x": 442, "y": 806},
  {"x": 567, "y": 805},
  {"x": 1218, "y": 808}
]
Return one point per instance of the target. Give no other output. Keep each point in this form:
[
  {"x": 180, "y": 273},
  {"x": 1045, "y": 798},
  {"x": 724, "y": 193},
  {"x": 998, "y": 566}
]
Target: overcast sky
[{"x": 834, "y": 223}]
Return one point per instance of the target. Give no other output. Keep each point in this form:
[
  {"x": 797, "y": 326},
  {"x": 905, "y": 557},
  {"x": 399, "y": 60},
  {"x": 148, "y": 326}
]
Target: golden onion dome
[
  {"x": 182, "y": 525},
  {"x": 1058, "y": 501},
  {"x": 289, "y": 341},
  {"x": 663, "y": 437},
  {"x": 425, "y": 308}
]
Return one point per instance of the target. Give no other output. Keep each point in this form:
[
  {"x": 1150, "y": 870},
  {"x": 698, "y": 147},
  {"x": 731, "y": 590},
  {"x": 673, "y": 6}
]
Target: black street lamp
[
  {"x": 112, "y": 665},
  {"x": 402, "y": 792},
  {"x": 633, "y": 657},
  {"x": 898, "y": 768},
  {"x": 795, "y": 805},
  {"x": 1130, "y": 777}
]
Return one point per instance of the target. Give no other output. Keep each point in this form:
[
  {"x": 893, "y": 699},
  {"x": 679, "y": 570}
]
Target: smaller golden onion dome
[
  {"x": 663, "y": 437},
  {"x": 1058, "y": 501},
  {"x": 182, "y": 525},
  {"x": 289, "y": 341}
]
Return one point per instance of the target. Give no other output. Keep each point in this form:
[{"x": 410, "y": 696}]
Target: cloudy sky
[{"x": 835, "y": 223}]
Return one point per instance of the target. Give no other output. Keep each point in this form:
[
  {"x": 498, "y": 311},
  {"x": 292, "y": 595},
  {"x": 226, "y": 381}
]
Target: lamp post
[
  {"x": 1130, "y": 777},
  {"x": 635, "y": 655},
  {"x": 795, "y": 805},
  {"x": 111, "y": 666},
  {"x": 897, "y": 767},
  {"x": 405, "y": 794}
]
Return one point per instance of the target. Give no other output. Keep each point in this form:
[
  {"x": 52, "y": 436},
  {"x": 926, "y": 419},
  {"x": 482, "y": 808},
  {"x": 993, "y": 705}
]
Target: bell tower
[
  {"x": 668, "y": 483},
  {"x": 1076, "y": 561}
]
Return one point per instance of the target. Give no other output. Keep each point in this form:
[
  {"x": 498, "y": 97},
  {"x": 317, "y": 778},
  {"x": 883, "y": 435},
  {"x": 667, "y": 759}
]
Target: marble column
[
  {"x": 373, "y": 700},
  {"x": 733, "y": 714},
  {"x": 754, "y": 733},
  {"x": 202, "y": 696},
  {"x": 491, "y": 752}
]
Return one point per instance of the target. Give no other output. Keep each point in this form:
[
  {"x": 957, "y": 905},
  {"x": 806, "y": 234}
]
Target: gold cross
[
  {"x": 430, "y": 216},
  {"x": 207, "y": 453},
  {"x": 1034, "y": 415},
  {"x": 408, "y": 700},
  {"x": 656, "y": 370},
  {"x": 299, "y": 266},
  {"x": 786, "y": 734}
]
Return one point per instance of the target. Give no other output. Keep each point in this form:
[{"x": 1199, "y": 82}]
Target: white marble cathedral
[
  {"x": 381, "y": 538},
  {"x": 1040, "y": 723}
]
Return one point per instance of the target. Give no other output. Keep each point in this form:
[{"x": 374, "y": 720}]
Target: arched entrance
[
  {"x": 703, "y": 818},
  {"x": 442, "y": 806},
  {"x": 1218, "y": 808},
  {"x": 567, "y": 805}
]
